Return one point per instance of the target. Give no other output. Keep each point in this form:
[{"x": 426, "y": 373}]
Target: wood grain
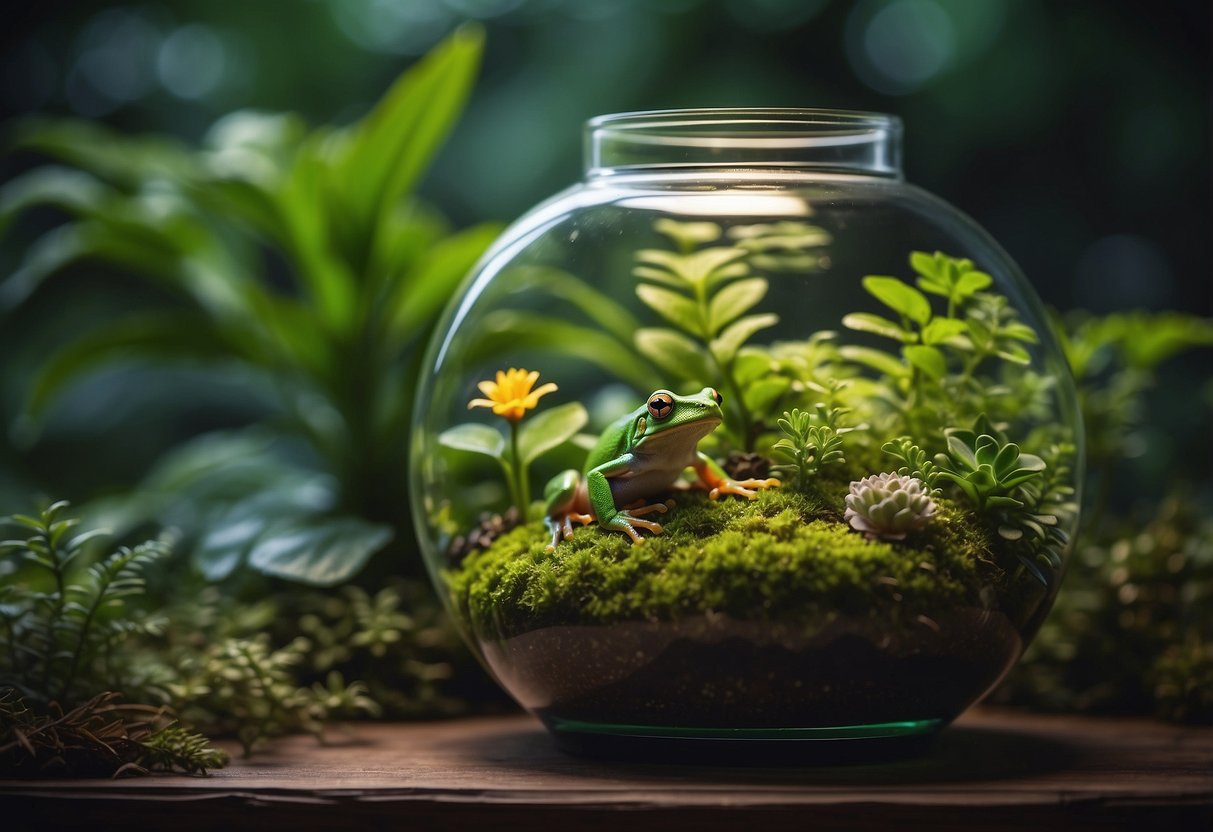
[{"x": 991, "y": 770}]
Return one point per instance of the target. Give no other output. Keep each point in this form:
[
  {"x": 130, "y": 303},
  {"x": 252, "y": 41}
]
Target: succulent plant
[
  {"x": 889, "y": 505},
  {"x": 986, "y": 467}
]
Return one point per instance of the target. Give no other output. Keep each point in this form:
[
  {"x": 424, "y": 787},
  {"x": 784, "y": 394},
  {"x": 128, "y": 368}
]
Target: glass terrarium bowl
[{"x": 745, "y": 438}]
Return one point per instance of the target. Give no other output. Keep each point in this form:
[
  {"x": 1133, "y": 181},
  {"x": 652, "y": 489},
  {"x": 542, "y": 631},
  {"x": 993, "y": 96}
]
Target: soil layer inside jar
[{"x": 712, "y": 672}]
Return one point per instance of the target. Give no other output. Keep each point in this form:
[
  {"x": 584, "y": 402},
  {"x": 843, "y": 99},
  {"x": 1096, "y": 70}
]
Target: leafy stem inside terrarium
[
  {"x": 940, "y": 354},
  {"x": 707, "y": 293}
]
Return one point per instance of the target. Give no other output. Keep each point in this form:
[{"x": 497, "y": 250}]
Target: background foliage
[{"x": 1077, "y": 133}]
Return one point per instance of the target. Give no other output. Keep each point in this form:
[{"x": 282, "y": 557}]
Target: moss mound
[{"x": 782, "y": 556}]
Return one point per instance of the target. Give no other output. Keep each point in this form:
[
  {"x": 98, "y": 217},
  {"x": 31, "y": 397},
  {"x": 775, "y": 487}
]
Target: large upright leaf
[
  {"x": 676, "y": 355},
  {"x": 675, "y": 308},
  {"x": 734, "y": 300},
  {"x": 393, "y": 145},
  {"x": 418, "y": 296}
]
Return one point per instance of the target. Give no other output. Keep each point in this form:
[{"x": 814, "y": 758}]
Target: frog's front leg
[
  {"x": 715, "y": 481},
  {"x": 602, "y": 502}
]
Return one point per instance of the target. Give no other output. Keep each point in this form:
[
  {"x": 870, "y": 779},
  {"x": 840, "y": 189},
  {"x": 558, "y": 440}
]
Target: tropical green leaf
[
  {"x": 762, "y": 395},
  {"x": 940, "y": 330},
  {"x": 318, "y": 551},
  {"x": 69, "y": 190},
  {"x": 418, "y": 296},
  {"x": 928, "y": 359},
  {"x": 393, "y": 145},
  {"x": 878, "y": 360},
  {"x": 232, "y": 533},
  {"x": 900, "y": 297},
  {"x": 505, "y": 331},
  {"x": 148, "y": 338},
  {"x": 734, "y": 300},
  {"x": 594, "y": 304},
  {"x": 1015, "y": 354},
  {"x": 474, "y": 437},
  {"x": 328, "y": 279},
  {"x": 867, "y": 322},
  {"x": 675, "y": 308},
  {"x": 675, "y": 354},
  {"x": 970, "y": 283},
  {"x": 549, "y": 429},
  {"x": 687, "y": 235},
  {"x": 726, "y": 345},
  {"x": 128, "y": 161}
]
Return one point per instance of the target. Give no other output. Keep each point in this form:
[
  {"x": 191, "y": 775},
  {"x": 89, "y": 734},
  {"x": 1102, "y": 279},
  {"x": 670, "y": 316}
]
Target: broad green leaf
[
  {"x": 232, "y": 533},
  {"x": 474, "y": 437},
  {"x": 928, "y": 359},
  {"x": 687, "y": 234},
  {"x": 927, "y": 265},
  {"x": 70, "y": 190},
  {"x": 129, "y": 161},
  {"x": 594, "y": 304},
  {"x": 326, "y": 276},
  {"x": 318, "y": 551},
  {"x": 878, "y": 360},
  {"x": 751, "y": 364},
  {"x": 761, "y": 396},
  {"x": 900, "y": 297},
  {"x": 716, "y": 263},
  {"x": 675, "y": 354},
  {"x": 417, "y": 297},
  {"x": 506, "y": 332},
  {"x": 148, "y": 338},
  {"x": 675, "y": 308},
  {"x": 393, "y": 145},
  {"x": 726, "y": 345},
  {"x": 867, "y": 322},
  {"x": 253, "y": 147},
  {"x": 1020, "y": 332},
  {"x": 657, "y": 275},
  {"x": 971, "y": 282},
  {"x": 734, "y": 300},
  {"x": 549, "y": 428},
  {"x": 940, "y": 330},
  {"x": 1015, "y": 354}
]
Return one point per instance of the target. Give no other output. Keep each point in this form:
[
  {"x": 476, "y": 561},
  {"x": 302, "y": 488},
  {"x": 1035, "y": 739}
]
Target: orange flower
[{"x": 511, "y": 395}]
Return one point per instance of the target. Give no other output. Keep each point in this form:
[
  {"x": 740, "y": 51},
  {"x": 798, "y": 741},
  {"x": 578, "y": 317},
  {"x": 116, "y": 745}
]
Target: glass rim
[
  {"x": 793, "y": 139},
  {"x": 811, "y": 119}
]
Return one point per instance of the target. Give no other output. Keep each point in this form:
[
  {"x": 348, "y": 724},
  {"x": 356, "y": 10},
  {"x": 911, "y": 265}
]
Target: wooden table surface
[{"x": 992, "y": 770}]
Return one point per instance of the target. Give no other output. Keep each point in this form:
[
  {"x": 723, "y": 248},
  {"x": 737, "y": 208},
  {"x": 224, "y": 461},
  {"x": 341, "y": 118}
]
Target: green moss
[{"x": 785, "y": 556}]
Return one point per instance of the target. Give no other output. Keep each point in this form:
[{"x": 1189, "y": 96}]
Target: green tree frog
[{"x": 639, "y": 456}]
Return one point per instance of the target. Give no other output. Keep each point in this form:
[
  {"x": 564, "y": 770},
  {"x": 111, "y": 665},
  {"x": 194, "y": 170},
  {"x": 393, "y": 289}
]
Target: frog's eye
[
  {"x": 716, "y": 395},
  {"x": 661, "y": 405}
]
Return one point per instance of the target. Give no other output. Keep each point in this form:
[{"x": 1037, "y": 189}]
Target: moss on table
[{"x": 784, "y": 556}]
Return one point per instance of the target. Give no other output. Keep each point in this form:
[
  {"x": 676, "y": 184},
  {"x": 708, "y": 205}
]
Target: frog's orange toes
[
  {"x": 570, "y": 518},
  {"x": 625, "y": 522},
  {"x": 742, "y": 488}
]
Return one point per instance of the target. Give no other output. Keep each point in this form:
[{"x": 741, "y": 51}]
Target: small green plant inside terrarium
[{"x": 889, "y": 497}]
